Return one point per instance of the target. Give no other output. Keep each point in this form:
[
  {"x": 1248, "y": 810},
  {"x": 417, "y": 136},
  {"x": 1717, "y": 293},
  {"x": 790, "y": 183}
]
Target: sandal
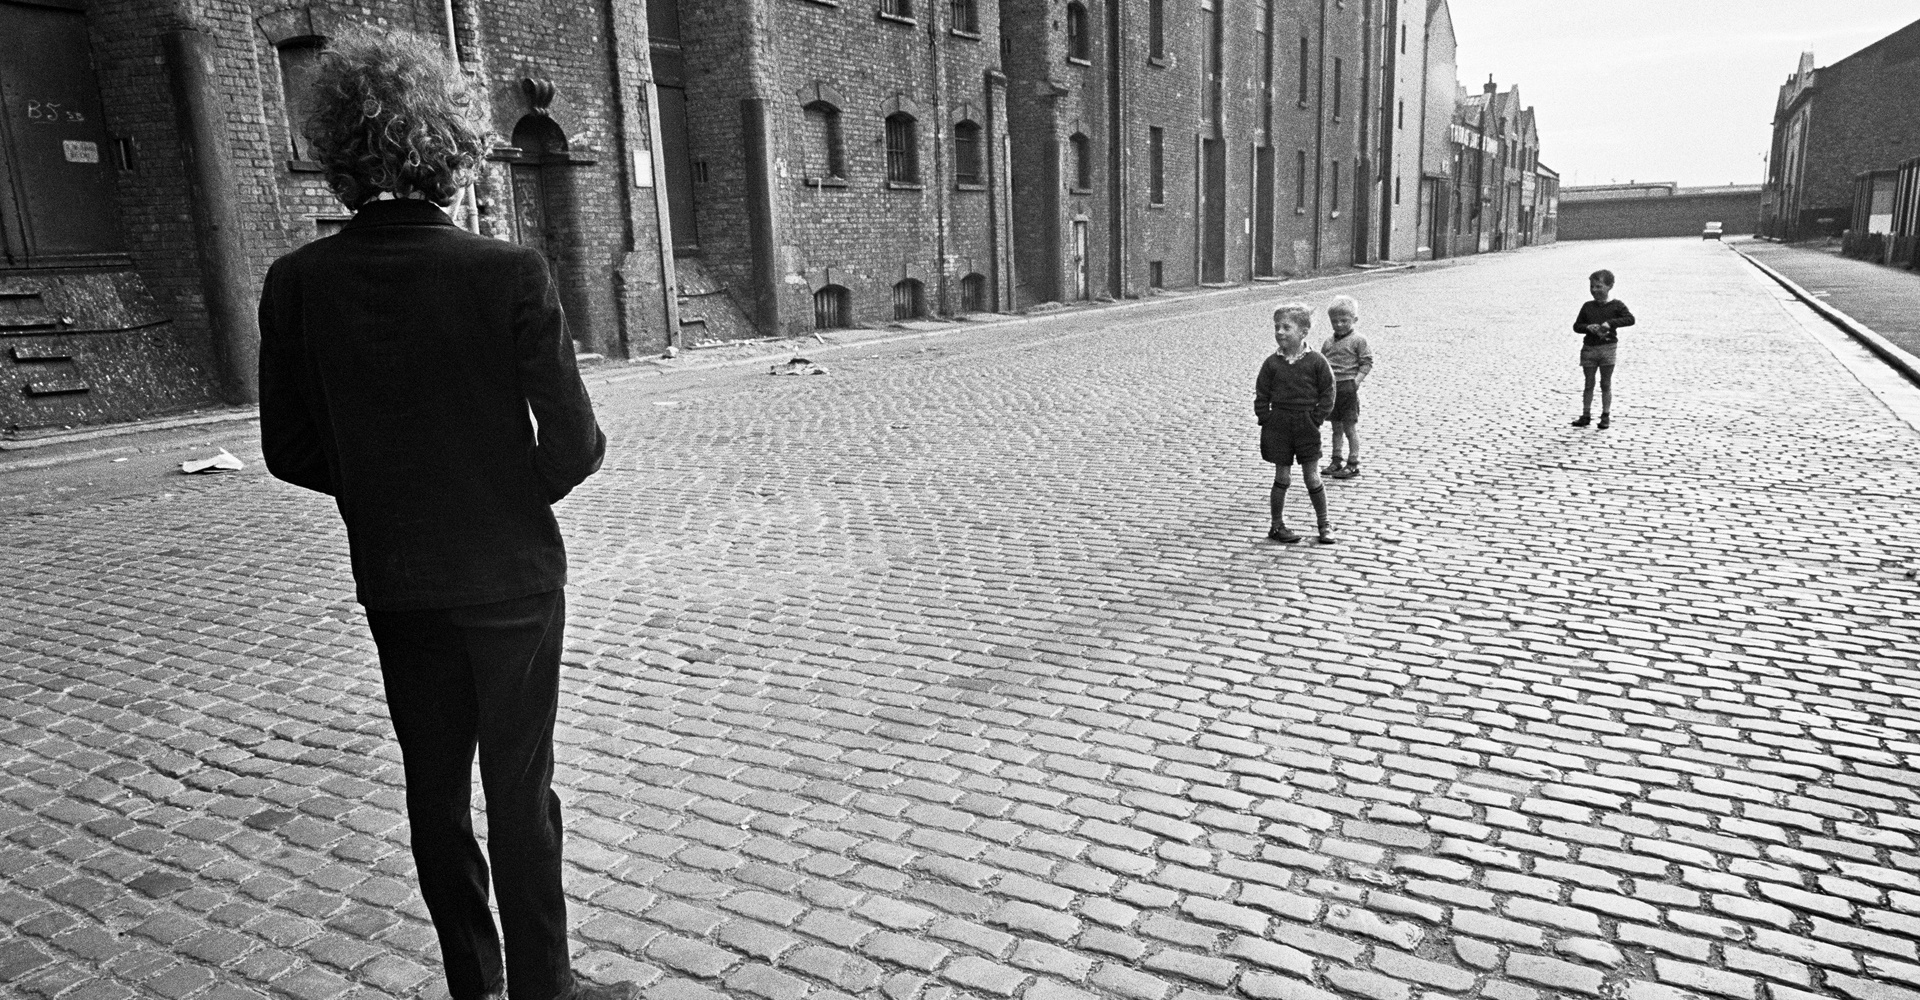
[
  {"x": 1584, "y": 420},
  {"x": 1605, "y": 420},
  {"x": 1281, "y": 534},
  {"x": 1325, "y": 536}
]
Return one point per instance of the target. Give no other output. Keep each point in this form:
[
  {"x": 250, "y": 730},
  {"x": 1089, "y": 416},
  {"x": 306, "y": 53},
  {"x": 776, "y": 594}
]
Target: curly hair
[{"x": 390, "y": 111}]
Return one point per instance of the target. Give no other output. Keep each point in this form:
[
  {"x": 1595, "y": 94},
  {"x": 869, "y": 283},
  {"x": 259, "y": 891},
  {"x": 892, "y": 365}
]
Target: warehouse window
[
  {"x": 1077, "y": 42},
  {"x": 1336, "y": 89},
  {"x": 1082, "y": 162},
  {"x": 909, "y": 299},
  {"x": 973, "y": 293},
  {"x": 299, "y": 60},
  {"x": 966, "y": 16},
  {"x": 897, "y": 8},
  {"x": 1305, "y": 52},
  {"x": 966, "y": 154},
  {"x": 903, "y": 148},
  {"x": 1300, "y": 180},
  {"x": 826, "y": 150},
  {"x": 1336, "y": 187},
  {"x": 1156, "y": 29},
  {"x": 1156, "y": 166},
  {"x": 832, "y": 308}
]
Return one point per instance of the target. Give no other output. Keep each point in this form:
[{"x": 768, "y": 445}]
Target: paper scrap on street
[
  {"x": 798, "y": 366},
  {"x": 223, "y": 462}
]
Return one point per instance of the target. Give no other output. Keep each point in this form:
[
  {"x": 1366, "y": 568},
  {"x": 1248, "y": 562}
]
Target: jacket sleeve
[
  {"x": 1263, "y": 394},
  {"x": 1620, "y": 316},
  {"x": 1580, "y": 319},
  {"x": 569, "y": 445},
  {"x": 289, "y": 436},
  {"x": 1323, "y": 380},
  {"x": 1363, "y": 352}
]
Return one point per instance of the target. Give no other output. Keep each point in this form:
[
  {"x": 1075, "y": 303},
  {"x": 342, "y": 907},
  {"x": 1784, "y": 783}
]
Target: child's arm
[
  {"x": 1263, "y": 394},
  {"x": 1323, "y": 380},
  {"x": 1580, "y": 320},
  {"x": 1363, "y": 353},
  {"x": 1619, "y": 315}
]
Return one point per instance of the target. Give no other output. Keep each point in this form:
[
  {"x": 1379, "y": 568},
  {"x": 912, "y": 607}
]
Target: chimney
[{"x": 1490, "y": 86}]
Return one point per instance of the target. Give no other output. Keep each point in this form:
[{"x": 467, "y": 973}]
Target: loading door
[{"x": 57, "y": 162}]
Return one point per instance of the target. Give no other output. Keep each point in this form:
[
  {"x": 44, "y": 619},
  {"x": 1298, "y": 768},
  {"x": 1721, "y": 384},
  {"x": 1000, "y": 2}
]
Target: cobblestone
[{"x": 962, "y": 672}]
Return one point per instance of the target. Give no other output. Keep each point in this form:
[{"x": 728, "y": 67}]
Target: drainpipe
[
  {"x": 1320, "y": 137},
  {"x": 1389, "y": 93},
  {"x": 942, "y": 189},
  {"x": 998, "y": 195},
  {"x": 1117, "y": 159},
  {"x": 213, "y": 187}
]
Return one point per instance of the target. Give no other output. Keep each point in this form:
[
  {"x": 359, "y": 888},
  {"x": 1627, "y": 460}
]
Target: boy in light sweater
[{"x": 1352, "y": 361}]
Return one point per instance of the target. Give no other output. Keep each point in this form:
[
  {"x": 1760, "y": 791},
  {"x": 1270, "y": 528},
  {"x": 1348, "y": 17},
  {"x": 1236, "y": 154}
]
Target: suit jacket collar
[{"x": 399, "y": 212}]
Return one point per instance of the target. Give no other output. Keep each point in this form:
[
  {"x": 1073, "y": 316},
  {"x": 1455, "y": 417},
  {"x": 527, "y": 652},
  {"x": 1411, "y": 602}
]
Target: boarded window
[
  {"x": 832, "y": 308},
  {"x": 1156, "y": 166},
  {"x": 1082, "y": 162},
  {"x": 299, "y": 61},
  {"x": 826, "y": 156},
  {"x": 909, "y": 299},
  {"x": 973, "y": 293}
]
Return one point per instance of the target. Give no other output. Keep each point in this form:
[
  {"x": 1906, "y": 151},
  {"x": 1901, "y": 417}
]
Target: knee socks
[
  {"x": 1276, "y": 500},
  {"x": 1318, "y": 494}
]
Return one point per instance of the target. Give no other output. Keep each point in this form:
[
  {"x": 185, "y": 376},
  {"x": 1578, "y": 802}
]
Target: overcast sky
[{"x": 1659, "y": 90}]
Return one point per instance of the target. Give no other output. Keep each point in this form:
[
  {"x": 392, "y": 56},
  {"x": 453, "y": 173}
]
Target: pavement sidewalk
[{"x": 1887, "y": 299}]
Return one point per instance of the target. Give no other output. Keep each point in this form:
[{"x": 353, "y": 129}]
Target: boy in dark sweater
[
  {"x": 1598, "y": 321},
  {"x": 1291, "y": 398}
]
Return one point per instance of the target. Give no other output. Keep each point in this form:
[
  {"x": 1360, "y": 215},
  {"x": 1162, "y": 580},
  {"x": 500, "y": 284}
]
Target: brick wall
[{"x": 1680, "y": 215}]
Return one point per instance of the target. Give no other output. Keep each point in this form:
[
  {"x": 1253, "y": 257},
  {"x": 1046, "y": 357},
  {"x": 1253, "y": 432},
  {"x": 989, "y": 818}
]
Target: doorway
[{"x": 1082, "y": 279}]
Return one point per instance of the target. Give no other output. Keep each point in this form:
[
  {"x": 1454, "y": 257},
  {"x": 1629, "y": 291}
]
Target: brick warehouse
[
  {"x": 1832, "y": 123},
  {"x": 712, "y": 170}
]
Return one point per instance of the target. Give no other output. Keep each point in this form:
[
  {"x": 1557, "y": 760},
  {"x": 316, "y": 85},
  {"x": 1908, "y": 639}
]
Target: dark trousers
[{"x": 486, "y": 676}]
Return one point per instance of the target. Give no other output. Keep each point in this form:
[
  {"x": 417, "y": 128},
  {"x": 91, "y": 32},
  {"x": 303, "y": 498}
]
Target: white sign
[
  {"x": 81, "y": 152},
  {"x": 643, "y": 168}
]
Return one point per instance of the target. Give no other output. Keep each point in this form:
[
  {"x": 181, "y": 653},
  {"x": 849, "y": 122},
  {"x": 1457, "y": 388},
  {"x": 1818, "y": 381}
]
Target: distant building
[
  {"x": 1831, "y": 124},
  {"x": 1661, "y": 208},
  {"x": 1496, "y": 150}
]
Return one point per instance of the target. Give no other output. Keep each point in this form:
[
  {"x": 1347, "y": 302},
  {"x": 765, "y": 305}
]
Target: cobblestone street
[{"x": 964, "y": 672}]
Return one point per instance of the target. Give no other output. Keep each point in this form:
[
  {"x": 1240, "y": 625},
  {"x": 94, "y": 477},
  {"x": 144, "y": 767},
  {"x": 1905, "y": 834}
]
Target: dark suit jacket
[{"x": 399, "y": 360}]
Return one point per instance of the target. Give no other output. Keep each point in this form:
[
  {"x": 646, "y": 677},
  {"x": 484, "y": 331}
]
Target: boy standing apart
[
  {"x": 1291, "y": 397},
  {"x": 1598, "y": 320},
  {"x": 1352, "y": 360}
]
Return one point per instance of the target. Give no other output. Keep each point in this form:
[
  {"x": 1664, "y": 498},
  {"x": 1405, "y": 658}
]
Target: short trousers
[
  {"x": 1346, "y": 402},
  {"x": 1290, "y": 436},
  {"x": 1598, "y": 356}
]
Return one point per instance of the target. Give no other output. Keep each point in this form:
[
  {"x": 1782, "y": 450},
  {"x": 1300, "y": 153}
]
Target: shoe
[
  {"x": 1325, "y": 535},
  {"x": 1279, "y": 533},
  {"x": 1583, "y": 421},
  {"x": 1332, "y": 469},
  {"x": 1605, "y": 420},
  {"x": 1347, "y": 471},
  {"x": 624, "y": 990}
]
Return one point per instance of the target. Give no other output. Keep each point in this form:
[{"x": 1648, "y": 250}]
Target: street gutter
[{"x": 1887, "y": 351}]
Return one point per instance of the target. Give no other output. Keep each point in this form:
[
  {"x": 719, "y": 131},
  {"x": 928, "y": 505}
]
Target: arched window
[
  {"x": 903, "y": 148},
  {"x": 1082, "y": 162},
  {"x": 832, "y": 308},
  {"x": 299, "y": 60},
  {"x": 826, "y": 152},
  {"x": 966, "y": 154},
  {"x": 909, "y": 299},
  {"x": 1077, "y": 42},
  {"x": 973, "y": 293}
]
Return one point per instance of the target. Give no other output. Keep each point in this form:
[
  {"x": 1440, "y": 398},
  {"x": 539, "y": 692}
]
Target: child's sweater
[
  {"x": 1612, "y": 312},
  {"x": 1304, "y": 386},
  {"x": 1350, "y": 356}
]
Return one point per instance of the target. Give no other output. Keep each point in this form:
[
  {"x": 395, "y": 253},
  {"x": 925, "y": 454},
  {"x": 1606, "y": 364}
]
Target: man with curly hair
[{"x": 423, "y": 377}]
